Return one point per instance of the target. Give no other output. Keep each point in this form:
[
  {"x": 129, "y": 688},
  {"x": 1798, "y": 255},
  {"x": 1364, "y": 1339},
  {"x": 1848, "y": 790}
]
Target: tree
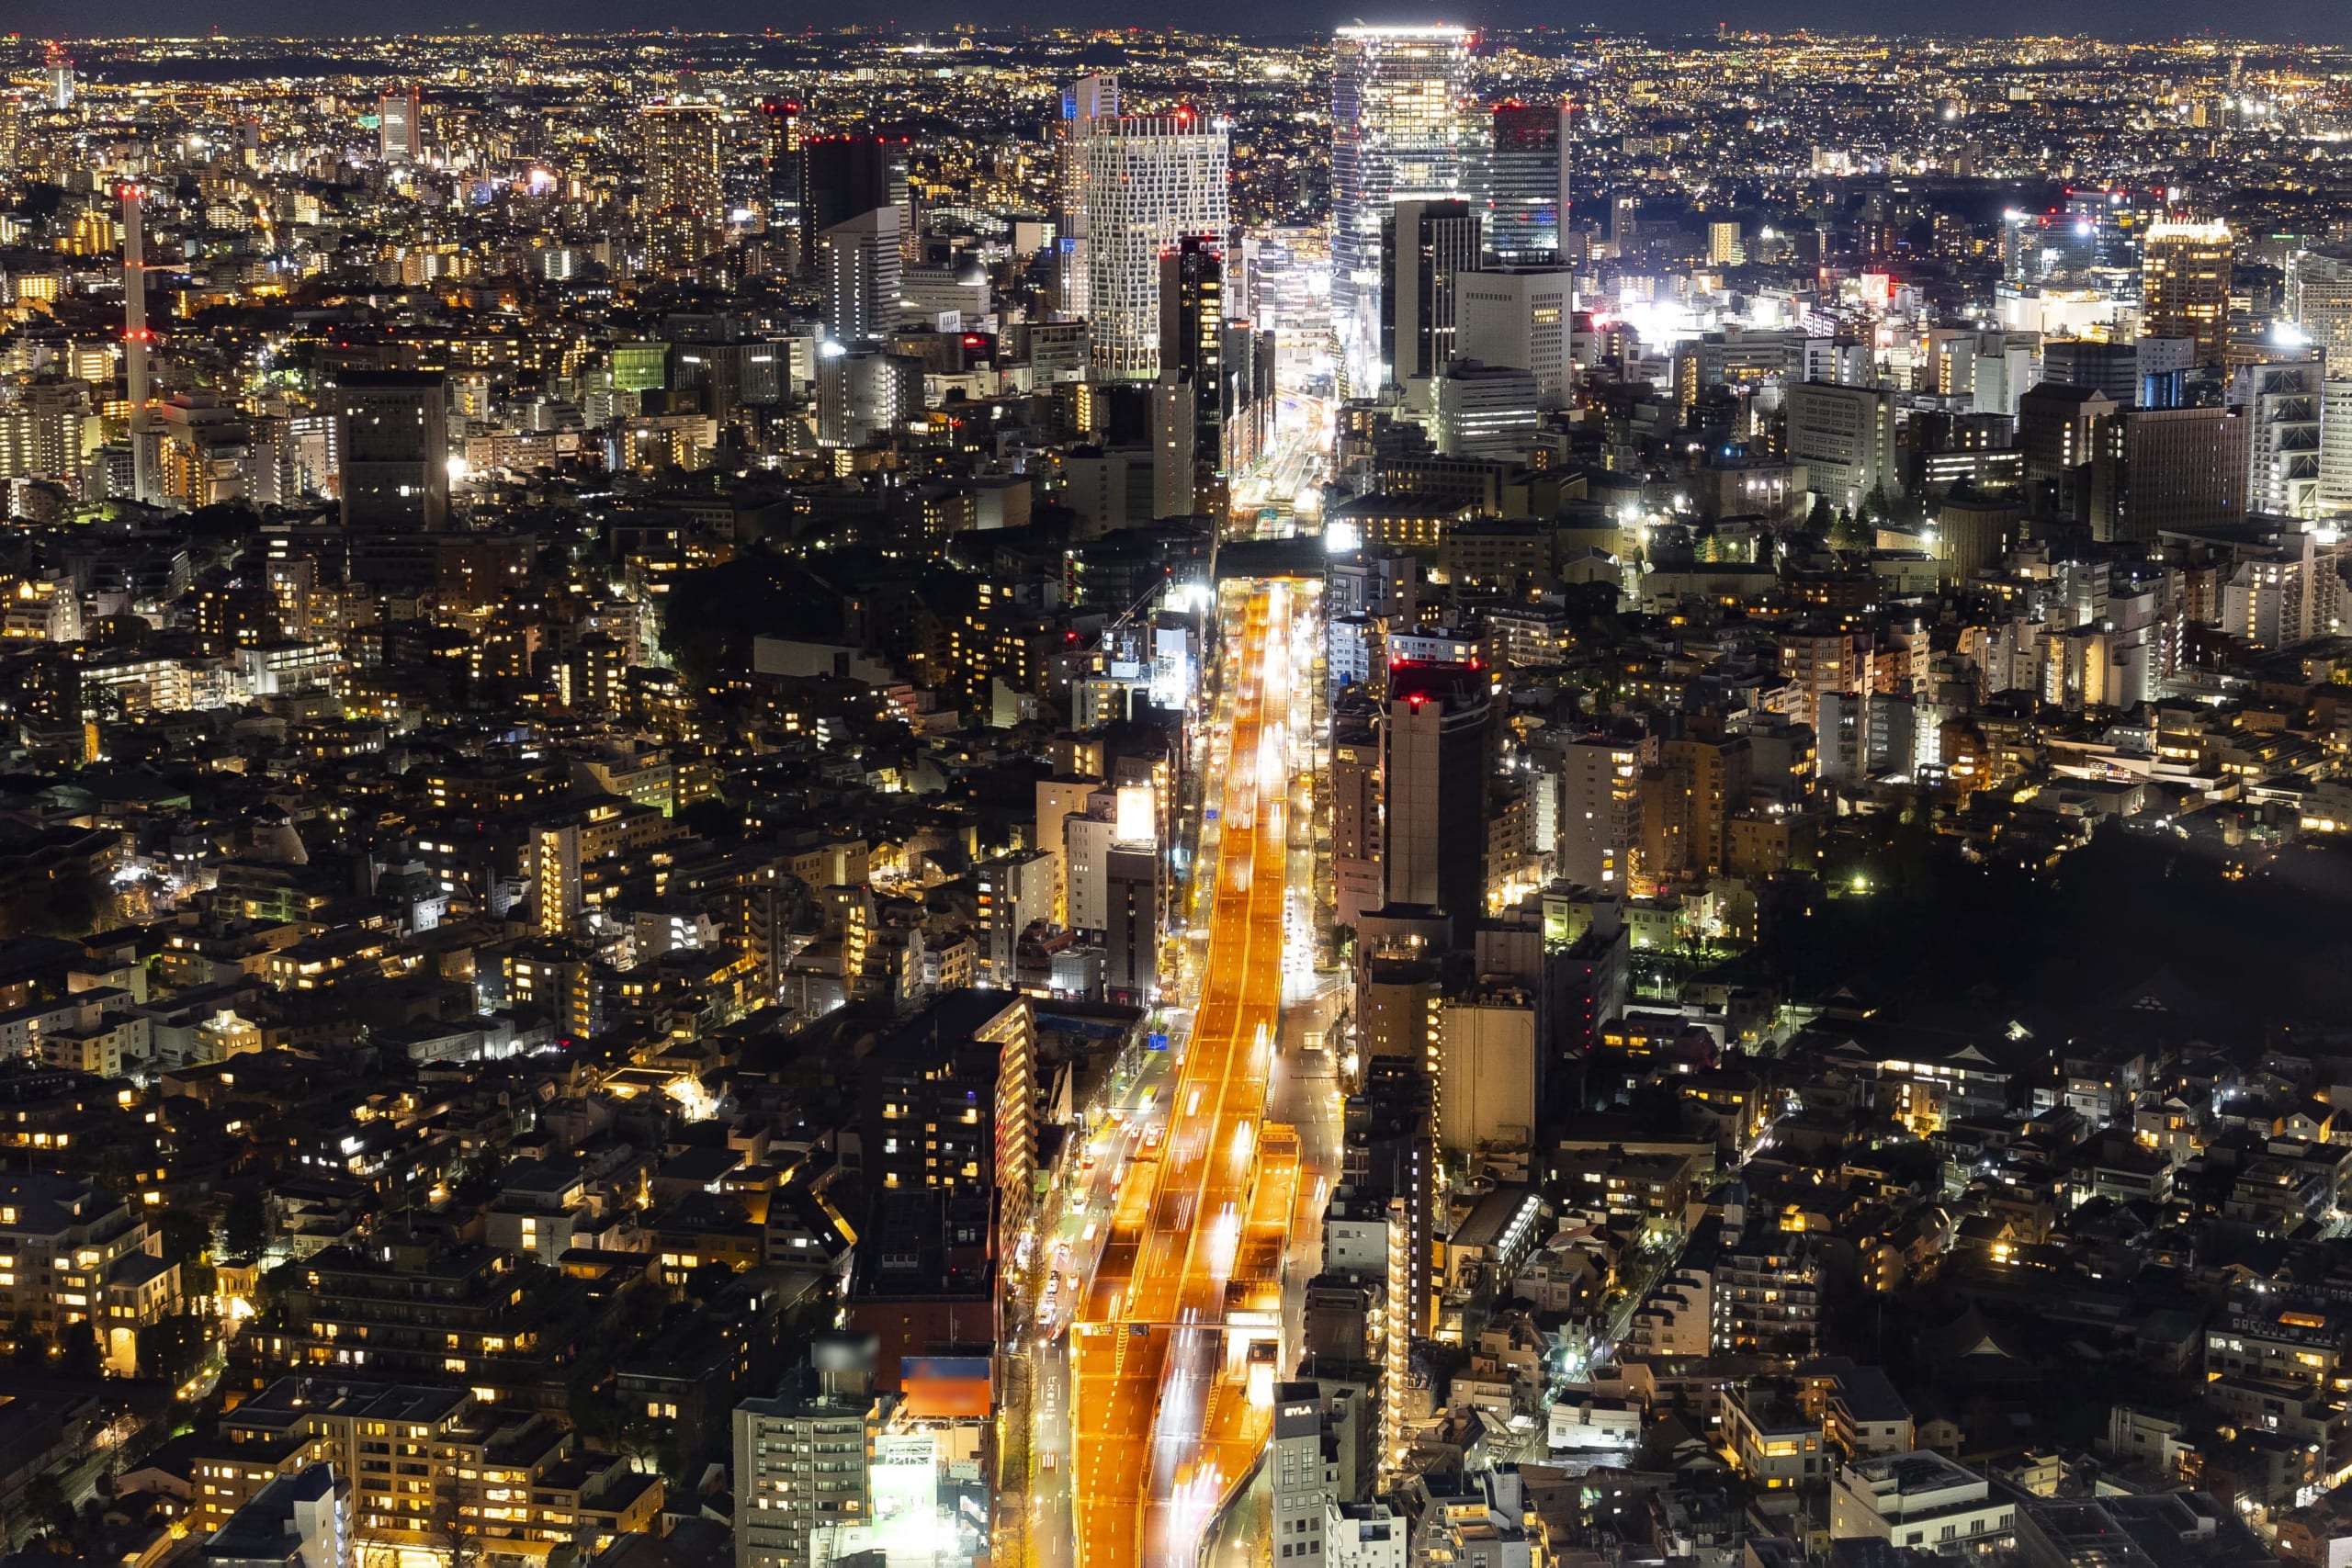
[
  {"x": 33, "y": 1346},
  {"x": 454, "y": 1533},
  {"x": 478, "y": 1177},
  {"x": 1851, "y": 531},
  {"x": 245, "y": 1226},
  {"x": 643, "y": 1440},
  {"x": 187, "y": 1237},
  {"x": 44, "y": 1503},
  {"x": 79, "y": 1351},
  {"x": 184, "y": 1234},
  {"x": 173, "y": 1347},
  {"x": 716, "y": 611}
]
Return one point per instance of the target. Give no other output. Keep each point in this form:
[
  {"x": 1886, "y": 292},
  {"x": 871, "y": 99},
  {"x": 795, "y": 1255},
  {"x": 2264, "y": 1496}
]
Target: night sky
[{"x": 2323, "y": 21}]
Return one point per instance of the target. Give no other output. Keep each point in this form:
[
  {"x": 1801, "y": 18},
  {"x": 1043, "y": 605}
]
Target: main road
[{"x": 1175, "y": 1342}]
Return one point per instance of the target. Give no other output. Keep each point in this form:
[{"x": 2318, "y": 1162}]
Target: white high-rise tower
[
  {"x": 1399, "y": 131},
  {"x": 1085, "y": 103},
  {"x": 1142, "y": 185},
  {"x": 137, "y": 338}
]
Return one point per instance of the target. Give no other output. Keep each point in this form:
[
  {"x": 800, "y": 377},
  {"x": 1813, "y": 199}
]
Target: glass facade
[{"x": 1399, "y": 131}]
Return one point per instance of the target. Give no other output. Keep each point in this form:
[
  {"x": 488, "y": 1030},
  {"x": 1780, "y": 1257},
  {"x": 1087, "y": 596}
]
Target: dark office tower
[
  {"x": 393, "y": 427},
  {"x": 1192, "y": 329},
  {"x": 1527, "y": 184},
  {"x": 2109, "y": 367},
  {"x": 1429, "y": 245},
  {"x": 2182, "y": 468},
  {"x": 398, "y": 120},
  {"x": 1399, "y": 1148},
  {"x": 783, "y": 121},
  {"x": 1624, "y": 223},
  {"x": 1134, "y": 901},
  {"x": 1356, "y": 815},
  {"x": 848, "y": 176},
  {"x": 2069, "y": 435},
  {"x": 1246, "y": 417},
  {"x": 1433, "y": 748}
]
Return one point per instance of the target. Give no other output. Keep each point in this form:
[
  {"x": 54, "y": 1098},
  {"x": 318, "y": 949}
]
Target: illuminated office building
[
  {"x": 1143, "y": 185},
  {"x": 397, "y": 121},
  {"x": 1192, "y": 325},
  {"x": 2185, "y": 285},
  {"x": 1526, "y": 193},
  {"x": 784, "y": 121},
  {"x": 1429, "y": 246},
  {"x": 1398, "y": 133},
  {"x": 1085, "y": 103}
]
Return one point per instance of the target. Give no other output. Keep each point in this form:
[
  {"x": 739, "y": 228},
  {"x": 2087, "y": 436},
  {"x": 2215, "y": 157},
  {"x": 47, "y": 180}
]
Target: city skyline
[
  {"x": 1419, "y": 793},
  {"x": 2274, "y": 22}
]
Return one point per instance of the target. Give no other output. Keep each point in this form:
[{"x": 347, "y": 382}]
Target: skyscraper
[
  {"x": 1398, "y": 134},
  {"x": 1518, "y": 319},
  {"x": 678, "y": 149},
  {"x": 858, "y": 261},
  {"x": 861, "y": 395},
  {"x": 1600, "y": 811},
  {"x": 396, "y": 122},
  {"x": 1483, "y": 411},
  {"x": 1527, "y": 183},
  {"x": 2319, "y": 299},
  {"x": 1356, "y": 815},
  {"x": 1429, "y": 245},
  {"x": 2183, "y": 467},
  {"x": 1625, "y": 225},
  {"x": 2335, "y": 448},
  {"x": 1192, "y": 326},
  {"x": 1135, "y": 896},
  {"x": 1143, "y": 185},
  {"x": 2068, "y": 436},
  {"x": 2282, "y": 402},
  {"x": 2109, "y": 367},
  {"x": 1845, "y": 437},
  {"x": 848, "y": 176},
  {"x": 61, "y": 79},
  {"x": 1434, "y": 783},
  {"x": 138, "y": 340},
  {"x": 2185, "y": 285},
  {"x": 1084, "y": 102},
  {"x": 782, "y": 121},
  {"x": 393, "y": 428}
]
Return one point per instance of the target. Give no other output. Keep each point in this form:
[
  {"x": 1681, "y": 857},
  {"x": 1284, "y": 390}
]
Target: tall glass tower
[
  {"x": 1527, "y": 183},
  {"x": 1398, "y": 133}
]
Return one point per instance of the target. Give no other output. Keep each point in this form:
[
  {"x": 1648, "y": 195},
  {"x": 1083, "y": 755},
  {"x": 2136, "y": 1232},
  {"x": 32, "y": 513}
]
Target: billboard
[{"x": 946, "y": 1387}]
